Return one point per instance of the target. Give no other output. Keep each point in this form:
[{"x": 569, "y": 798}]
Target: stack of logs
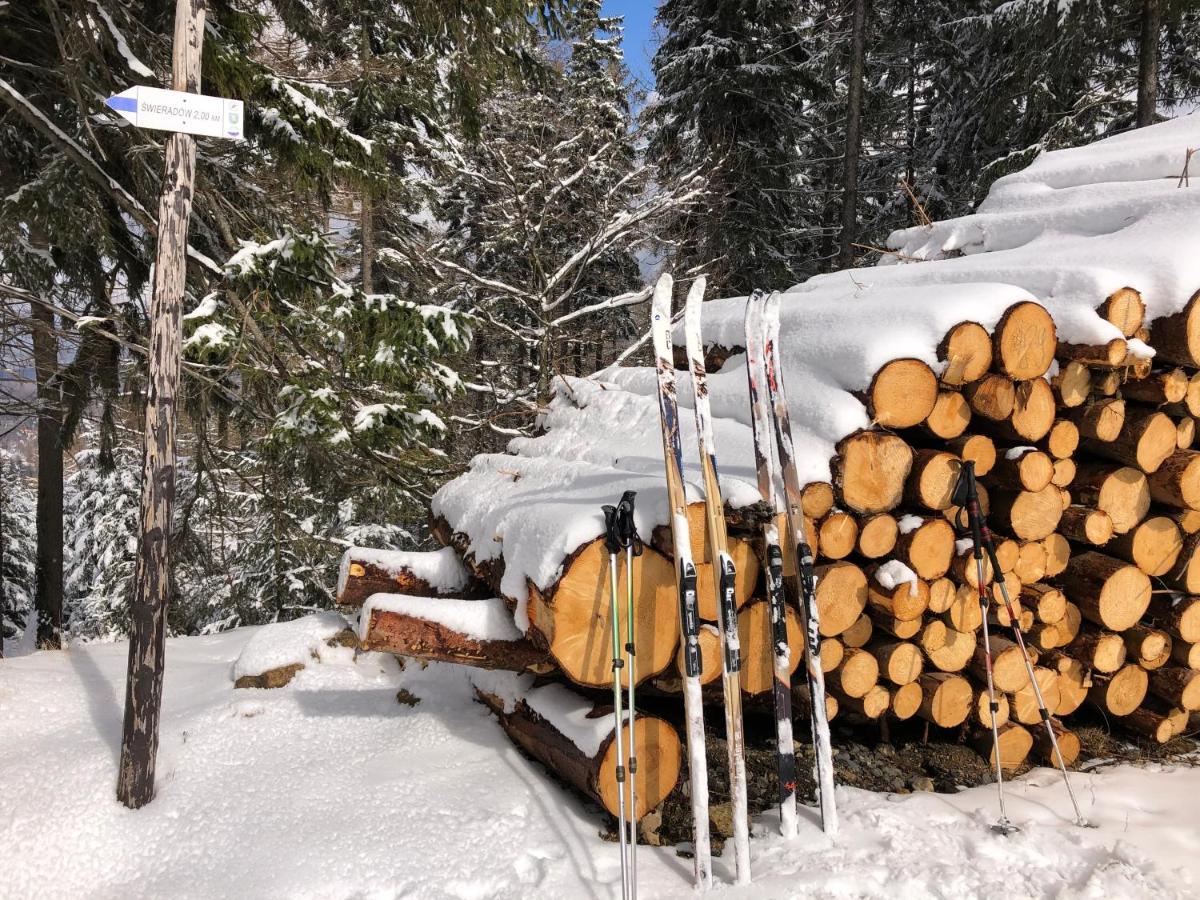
[{"x": 1089, "y": 482}]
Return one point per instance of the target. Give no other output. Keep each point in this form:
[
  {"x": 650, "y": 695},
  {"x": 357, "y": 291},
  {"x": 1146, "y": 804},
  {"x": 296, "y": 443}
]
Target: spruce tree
[
  {"x": 17, "y": 550},
  {"x": 729, "y": 75}
]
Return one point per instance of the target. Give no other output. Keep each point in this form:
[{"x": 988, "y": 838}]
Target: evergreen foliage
[{"x": 18, "y": 550}]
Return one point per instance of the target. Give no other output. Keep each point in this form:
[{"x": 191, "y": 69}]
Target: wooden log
[
  {"x": 1121, "y": 692},
  {"x": 955, "y": 515},
  {"x": 1008, "y": 665},
  {"x": 1070, "y": 625},
  {"x": 1064, "y": 473},
  {"x": 941, "y": 595},
  {"x": 1008, "y": 552},
  {"x": 966, "y": 354},
  {"x": 1111, "y": 593},
  {"x": 902, "y": 600},
  {"x": 1068, "y": 744},
  {"x": 1058, "y": 554},
  {"x": 877, "y": 535},
  {"x": 885, "y": 622},
  {"x": 1143, "y": 642},
  {"x": 1185, "y": 432},
  {"x": 1104, "y": 651},
  {"x": 950, "y": 416},
  {"x": 1125, "y": 309},
  {"x": 926, "y": 546},
  {"x": 1154, "y": 545},
  {"x": 952, "y": 649},
  {"x": 901, "y": 394},
  {"x": 858, "y": 673},
  {"x": 1100, "y": 420},
  {"x": 1023, "y": 703},
  {"x": 757, "y": 645},
  {"x": 992, "y": 397},
  {"x": 1177, "y": 481},
  {"x": 1185, "y": 574},
  {"x": 1160, "y": 727},
  {"x": 979, "y": 448},
  {"x": 1015, "y": 742},
  {"x": 1185, "y": 654},
  {"x": 1162, "y": 386},
  {"x": 1146, "y": 440},
  {"x": 965, "y": 571},
  {"x": 965, "y": 613},
  {"x": 711, "y": 665},
  {"x": 841, "y": 596},
  {"x": 802, "y": 704},
  {"x": 816, "y": 499},
  {"x": 433, "y": 629},
  {"x": 946, "y": 699},
  {"x": 1072, "y": 384},
  {"x": 741, "y": 550},
  {"x": 1187, "y": 519},
  {"x": 1122, "y": 492},
  {"x": 1032, "y": 415},
  {"x": 931, "y": 483},
  {"x": 566, "y": 616},
  {"x": 1047, "y": 603},
  {"x": 547, "y": 723},
  {"x": 871, "y": 705},
  {"x": 870, "y": 471},
  {"x": 906, "y": 700},
  {"x": 900, "y": 662},
  {"x": 982, "y": 709},
  {"x": 1178, "y": 686},
  {"x": 1022, "y": 469},
  {"x": 1074, "y": 681},
  {"x": 833, "y": 652},
  {"x": 1110, "y": 354},
  {"x": 1024, "y": 341},
  {"x": 1176, "y": 338},
  {"x": 859, "y": 633},
  {"x": 1062, "y": 440},
  {"x": 838, "y": 535},
  {"x": 1086, "y": 525},
  {"x": 439, "y": 573},
  {"x": 1028, "y": 515}
]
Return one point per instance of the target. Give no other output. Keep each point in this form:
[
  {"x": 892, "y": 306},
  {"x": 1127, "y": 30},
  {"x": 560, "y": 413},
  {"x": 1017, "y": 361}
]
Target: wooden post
[{"x": 143, "y": 689}]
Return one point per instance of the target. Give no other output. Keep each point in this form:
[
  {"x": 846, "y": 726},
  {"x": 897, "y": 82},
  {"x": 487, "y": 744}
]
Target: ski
[
  {"x": 803, "y": 560},
  {"x": 718, "y": 551},
  {"x": 764, "y": 460},
  {"x": 685, "y": 578}
]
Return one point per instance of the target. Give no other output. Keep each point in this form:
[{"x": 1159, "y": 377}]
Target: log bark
[
  {"x": 1100, "y": 420},
  {"x": 419, "y": 637},
  {"x": 1068, "y": 744},
  {"x": 439, "y": 573},
  {"x": 1111, "y": 593},
  {"x": 1176, "y": 338},
  {"x": 592, "y": 772},
  {"x": 1185, "y": 574},
  {"x": 1163, "y": 386},
  {"x": 1109, "y": 354},
  {"x": 1145, "y": 643},
  {"x": 859, "y": 633},
  {"x": 871, "y": 705},
  {"x": 1160, "y": 727},
  {"x": 1177, "y": 481},
  {"x": 1178, "y": 686},
  {"x": 1146, "y": 440},
  {"x": 1104, "y": 651}
]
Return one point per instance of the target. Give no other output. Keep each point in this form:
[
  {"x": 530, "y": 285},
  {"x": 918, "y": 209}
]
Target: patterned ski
[
  {"x": 685, "y": 579},
  {"x": 718, "y": 546},
  {"x": 764, "y": 459},
  {"x": 798, "y": 545}
]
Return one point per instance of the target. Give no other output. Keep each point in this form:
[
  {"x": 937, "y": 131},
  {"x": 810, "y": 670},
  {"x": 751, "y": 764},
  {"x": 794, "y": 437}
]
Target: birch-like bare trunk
[{"x": 143, "y": 689}]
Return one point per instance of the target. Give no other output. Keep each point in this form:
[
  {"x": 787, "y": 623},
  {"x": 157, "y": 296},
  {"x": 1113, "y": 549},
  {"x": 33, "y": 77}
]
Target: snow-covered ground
[{"x": 329, "y": 787}]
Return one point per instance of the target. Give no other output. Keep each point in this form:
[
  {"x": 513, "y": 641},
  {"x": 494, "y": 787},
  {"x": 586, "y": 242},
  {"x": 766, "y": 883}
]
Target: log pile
[{"x": 1090, "y": 483}]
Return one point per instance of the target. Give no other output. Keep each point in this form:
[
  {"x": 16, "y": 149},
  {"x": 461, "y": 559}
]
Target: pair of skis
[{"x": 726, "y": 604}]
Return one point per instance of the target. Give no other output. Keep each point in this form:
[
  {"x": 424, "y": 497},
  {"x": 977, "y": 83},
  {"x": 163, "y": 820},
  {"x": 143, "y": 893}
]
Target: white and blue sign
[{"x": 148, "y": 107}]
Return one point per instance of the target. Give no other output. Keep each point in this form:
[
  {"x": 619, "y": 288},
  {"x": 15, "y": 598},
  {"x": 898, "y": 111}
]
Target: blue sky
[{"x": 639, "y": 17}]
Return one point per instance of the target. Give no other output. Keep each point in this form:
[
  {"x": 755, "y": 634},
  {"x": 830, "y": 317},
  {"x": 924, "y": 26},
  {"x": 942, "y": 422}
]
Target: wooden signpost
[{"x": 182, "y": 109}]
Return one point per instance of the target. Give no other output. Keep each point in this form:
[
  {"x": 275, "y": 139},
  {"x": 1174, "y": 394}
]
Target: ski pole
[
  {"x": 989, "y": 547},
  {"x": 966, "y": 498},
  {"x": 612, "y": 541},
  {"x": 633, "y": 547}
]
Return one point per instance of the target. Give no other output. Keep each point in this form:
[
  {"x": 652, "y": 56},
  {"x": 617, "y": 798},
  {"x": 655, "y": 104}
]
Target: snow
[
  {"x": 135, "y": 65},
  {"x": 479, "y": 620},
  {"x": 908, "y": 522},
  {"x": 330, "y": 788},
  {"x": 441, "y": 569},
  {"x": 1013, "y": 453},
  {"x": 300, "y": 641},
  {"x": 894, "y": 573}
]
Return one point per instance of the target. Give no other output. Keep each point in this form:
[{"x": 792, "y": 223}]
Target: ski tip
[
  {"x": 696, "y": 293},
  {"x": 663, "y": 288}
]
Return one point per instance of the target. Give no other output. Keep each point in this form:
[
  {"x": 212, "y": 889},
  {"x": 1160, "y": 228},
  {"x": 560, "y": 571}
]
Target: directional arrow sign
[{"x": 148, "y": 107}]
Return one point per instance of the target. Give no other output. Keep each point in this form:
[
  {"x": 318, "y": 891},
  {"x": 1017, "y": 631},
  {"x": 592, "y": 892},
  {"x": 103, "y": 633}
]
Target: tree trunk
[
  {"x": 152, "y": 581},
  {"x": 854, "y": 103},
  {"x": 1147, "y": 96},
  {"x": 366, "y": 224},
  {"x": 49, "y": 580}
]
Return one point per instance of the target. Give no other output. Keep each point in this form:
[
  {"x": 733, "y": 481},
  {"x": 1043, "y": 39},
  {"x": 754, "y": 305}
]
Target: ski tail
[
  {"x": 685, "y": 575},
  {"x": 718, "y": 546},
  {"x": 798, "y": 545}
]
